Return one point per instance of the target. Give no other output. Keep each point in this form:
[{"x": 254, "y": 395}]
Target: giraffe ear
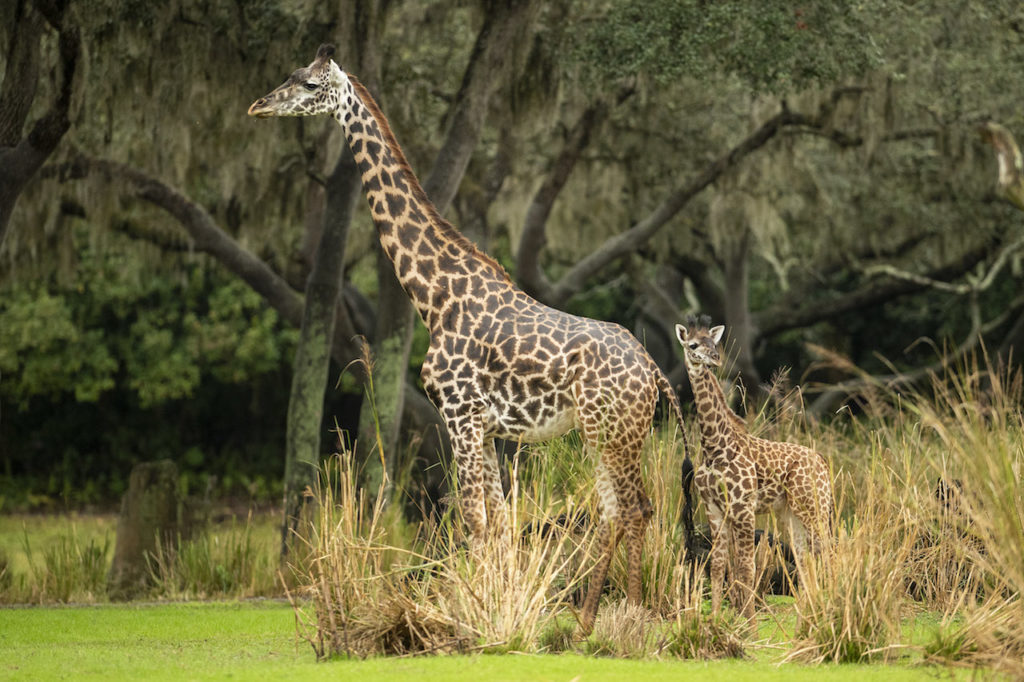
[
  {"x": 681, "y": 334},
  {"x": 716, "y": 333}
]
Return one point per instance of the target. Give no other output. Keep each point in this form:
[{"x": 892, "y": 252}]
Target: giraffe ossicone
[
  {"x": 500, "y": 364},
  {"x": 740, "y": 475}
]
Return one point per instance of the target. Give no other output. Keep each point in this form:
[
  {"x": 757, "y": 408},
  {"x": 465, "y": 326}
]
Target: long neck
[
  {"x": 713, "y": 414},
  {"x": 426, "y": 251}
]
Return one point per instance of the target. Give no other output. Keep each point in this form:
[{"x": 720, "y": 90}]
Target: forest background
[{"x": 180, "y": 281}]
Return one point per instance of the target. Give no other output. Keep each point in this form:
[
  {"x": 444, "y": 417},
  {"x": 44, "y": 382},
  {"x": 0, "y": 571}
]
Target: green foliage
[
  {"x": 120, "y": 361},
  {"x": 774, "y": 46},
  {"x": 115, "y": 324},
  {"x": 44, "y": 352}
]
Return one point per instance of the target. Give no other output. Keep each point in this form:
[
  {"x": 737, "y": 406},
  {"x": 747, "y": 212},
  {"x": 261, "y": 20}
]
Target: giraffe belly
[{"x": 546, "y": 427}]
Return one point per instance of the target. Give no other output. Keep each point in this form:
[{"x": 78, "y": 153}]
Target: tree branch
[
  {"x": 789, "y": 314},
  {"x": 628, "y": 241},
  {"x": 1010, "y": 180},
  {"x": 533, "y": 238},
  {"x": 207, "y": 238},
  {"x": 502, "y": 27},
  {"x": 831, "y": 393}
]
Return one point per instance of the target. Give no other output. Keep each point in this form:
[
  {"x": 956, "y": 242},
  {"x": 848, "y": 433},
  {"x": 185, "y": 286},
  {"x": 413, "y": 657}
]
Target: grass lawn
[{"x": 256, "y": 640}]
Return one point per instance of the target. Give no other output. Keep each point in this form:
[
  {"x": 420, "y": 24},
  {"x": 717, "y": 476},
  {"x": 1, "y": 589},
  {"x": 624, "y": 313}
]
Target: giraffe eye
[
  {"x": 693, "y": 345},
  {"x": 310, "y": 85}
]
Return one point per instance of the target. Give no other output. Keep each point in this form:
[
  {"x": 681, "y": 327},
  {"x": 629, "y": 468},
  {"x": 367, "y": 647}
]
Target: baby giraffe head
[{"x": 700, "y": 343}]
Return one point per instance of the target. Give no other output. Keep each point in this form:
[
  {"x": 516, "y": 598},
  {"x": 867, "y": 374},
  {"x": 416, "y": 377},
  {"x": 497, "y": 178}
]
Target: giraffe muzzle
[{"x": 261, "y": 108}]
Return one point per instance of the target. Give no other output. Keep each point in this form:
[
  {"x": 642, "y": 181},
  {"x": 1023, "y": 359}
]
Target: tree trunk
[
  {"x": 324, "y": 302},
  {"x": 739, "y": 325},
  {"x": 384, "y": 402},
  {"x": 313, "y": 351},
  {"x": 152, "y": 511},
  {"x": 21, "y": 157}
]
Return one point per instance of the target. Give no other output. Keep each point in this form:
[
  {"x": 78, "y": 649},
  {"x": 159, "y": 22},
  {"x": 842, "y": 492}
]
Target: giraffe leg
[
  {"x": 797, "y": 532},
  {"x": 467, "y": 445},
  {"x": 742, "y": 592},
  {"x": 719, "y": 554},
  {"x": 608, "y": 534},
  {"x": 640, "y": 516},
  {"x": 497, "y": 509}
]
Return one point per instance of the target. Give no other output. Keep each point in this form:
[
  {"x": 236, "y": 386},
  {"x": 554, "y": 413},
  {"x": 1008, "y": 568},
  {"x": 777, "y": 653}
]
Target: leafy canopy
[{"x": 771, "y": 45}]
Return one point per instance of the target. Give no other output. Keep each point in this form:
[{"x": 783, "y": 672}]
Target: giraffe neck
[
  {"x": 713, "y": 414},
  {"x": 427, "y": 252}
]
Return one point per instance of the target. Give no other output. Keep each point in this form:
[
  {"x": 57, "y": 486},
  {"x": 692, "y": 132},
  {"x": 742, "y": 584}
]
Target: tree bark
[
  {"x": 739, "y": 324},
  {"x": 313, "y": 350},
  {"x": 152, "y": 521},
  {"x": 21, "y": 158}
]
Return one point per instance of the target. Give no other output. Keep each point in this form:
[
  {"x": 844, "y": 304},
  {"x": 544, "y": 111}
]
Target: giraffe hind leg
[
  {"x": 608, "y": 535},
  {"x": 639, "y": 517}
]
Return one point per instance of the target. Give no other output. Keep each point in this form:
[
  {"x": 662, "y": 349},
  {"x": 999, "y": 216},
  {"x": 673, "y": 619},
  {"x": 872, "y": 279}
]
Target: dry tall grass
[
  {"x": 933, "y": 520},
  {"x": 376, "y": 585}
]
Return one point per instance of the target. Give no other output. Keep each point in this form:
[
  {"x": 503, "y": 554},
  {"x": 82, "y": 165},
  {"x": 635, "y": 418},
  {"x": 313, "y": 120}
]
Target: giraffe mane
[{"x": 445, "y": 227}]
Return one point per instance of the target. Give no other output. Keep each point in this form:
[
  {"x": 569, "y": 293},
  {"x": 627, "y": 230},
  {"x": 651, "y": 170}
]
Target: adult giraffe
[{"x": 500, "y": 364}]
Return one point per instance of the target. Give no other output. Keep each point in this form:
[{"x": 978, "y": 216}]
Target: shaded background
[{"x": 809, "y": 174}]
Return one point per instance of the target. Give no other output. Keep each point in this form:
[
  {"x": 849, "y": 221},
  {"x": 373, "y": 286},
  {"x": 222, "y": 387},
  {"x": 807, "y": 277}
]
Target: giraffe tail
[
  {"x": 673, "y": 400},
  {"x": 687, "y": 469}
]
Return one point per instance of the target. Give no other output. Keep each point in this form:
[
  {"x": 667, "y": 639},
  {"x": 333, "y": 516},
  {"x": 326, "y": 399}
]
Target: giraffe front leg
[
  {"x": 742, "y": 592},
  {"x": 469, "y": 470},
  {"x": 607, "y": 539},
  {"x": 494, "y": 494},
  {"x": 719, "y": 555}
]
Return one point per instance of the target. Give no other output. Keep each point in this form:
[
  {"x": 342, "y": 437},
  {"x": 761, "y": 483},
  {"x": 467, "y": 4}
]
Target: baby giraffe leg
[
  {"x": 719, "y": 556},
  {"x": 742, "y": 592}
]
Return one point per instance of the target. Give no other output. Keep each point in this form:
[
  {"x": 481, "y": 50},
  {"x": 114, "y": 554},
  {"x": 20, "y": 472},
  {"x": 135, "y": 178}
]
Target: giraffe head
[
  {"x": 309, "y": 91},
  {"x": 700, "y": 343}
]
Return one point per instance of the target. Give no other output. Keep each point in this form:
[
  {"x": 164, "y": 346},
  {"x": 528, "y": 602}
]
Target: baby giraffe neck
[{"x": 712, "y": 412}]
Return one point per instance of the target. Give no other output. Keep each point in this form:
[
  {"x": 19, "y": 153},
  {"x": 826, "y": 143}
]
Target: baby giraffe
[{"x": 740, "y": 476}]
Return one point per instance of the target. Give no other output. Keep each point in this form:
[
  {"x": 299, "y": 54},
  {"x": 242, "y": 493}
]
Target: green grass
[
  {"x": 65, "y": 559},
  {"x": 46, "y": 532},
  {"x": 256, "y": 640}
]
